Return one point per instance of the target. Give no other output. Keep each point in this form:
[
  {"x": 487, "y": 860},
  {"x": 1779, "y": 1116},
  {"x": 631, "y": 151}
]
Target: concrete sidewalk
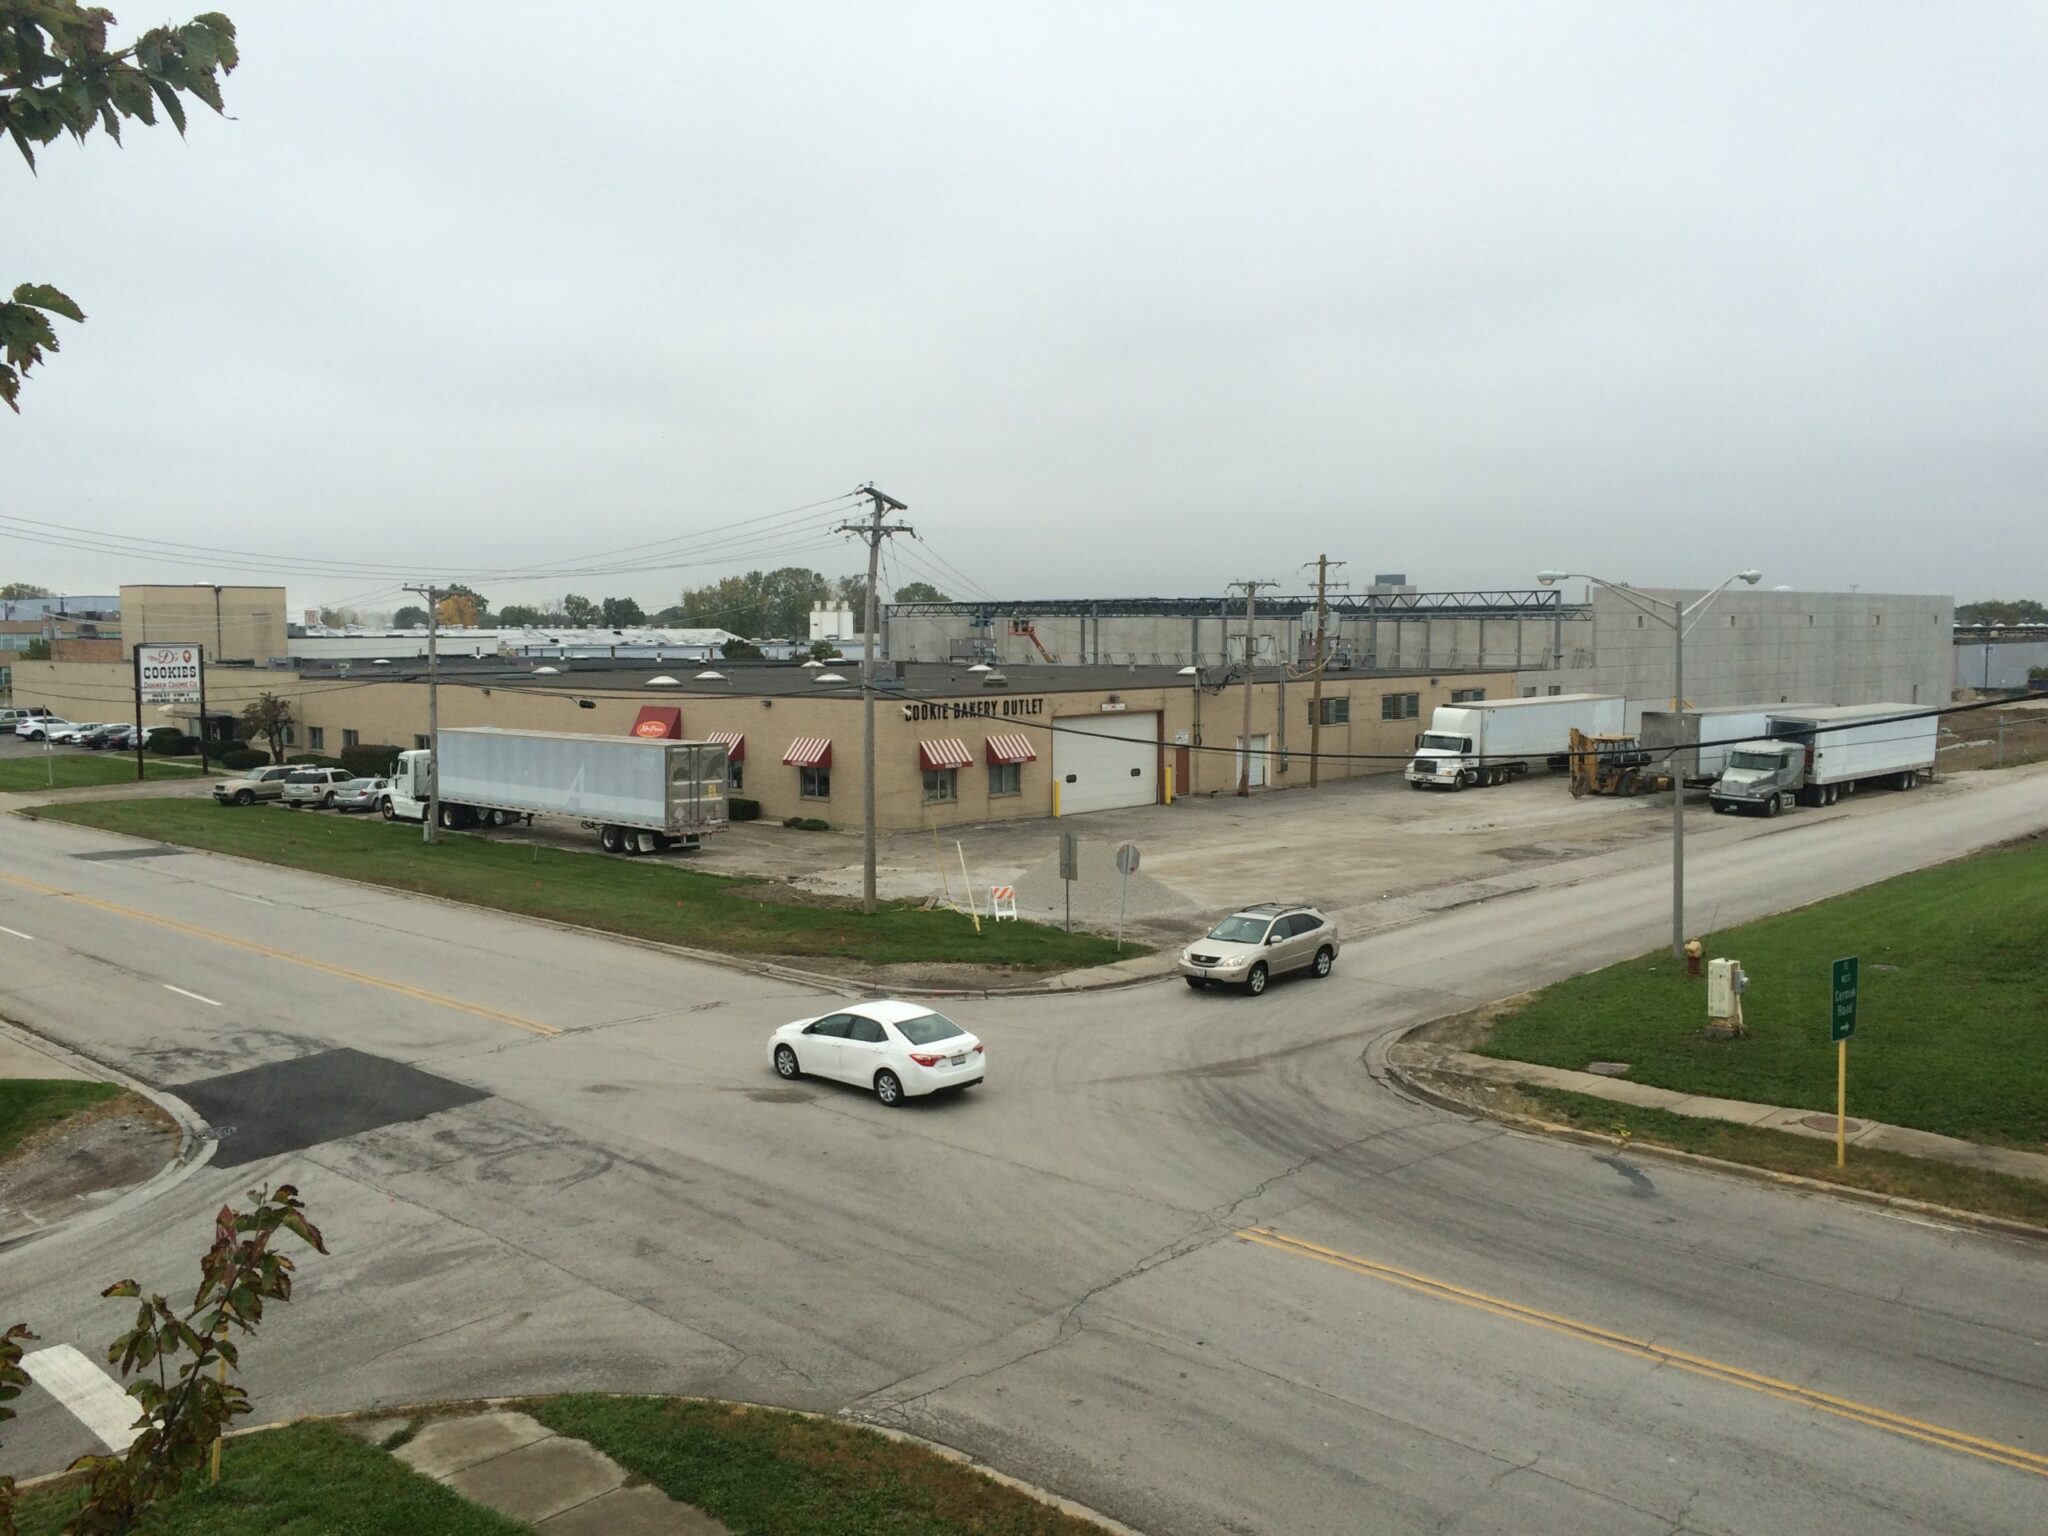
[
  {"x": 518, "y": 1466},
  {"x": 1422, "y": 1058}
]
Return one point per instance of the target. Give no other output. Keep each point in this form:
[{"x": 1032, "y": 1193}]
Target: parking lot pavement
[{"x": 1372, "y": 852}]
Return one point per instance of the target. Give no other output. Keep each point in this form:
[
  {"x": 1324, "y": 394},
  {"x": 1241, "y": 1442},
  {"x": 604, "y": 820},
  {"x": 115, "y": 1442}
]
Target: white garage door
[{"x": 1116, "y": 763}]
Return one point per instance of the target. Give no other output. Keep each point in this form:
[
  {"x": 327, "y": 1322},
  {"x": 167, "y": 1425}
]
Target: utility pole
[
  {"x": 1315, "y": 707},
  {"x": 1251, "y": 610},
  {"x": 430, "y": 831},
  {"x": 874, "y": 530}
]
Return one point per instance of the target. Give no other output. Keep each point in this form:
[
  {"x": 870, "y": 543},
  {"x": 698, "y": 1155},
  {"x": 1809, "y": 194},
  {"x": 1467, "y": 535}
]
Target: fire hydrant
[{"x": 1692, "y": 957}]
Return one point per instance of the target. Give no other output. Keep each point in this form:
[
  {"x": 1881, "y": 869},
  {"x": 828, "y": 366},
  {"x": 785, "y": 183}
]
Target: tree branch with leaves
[
  {"x": 58, "y": 76},
  {"x": 180, "y": 1361}
]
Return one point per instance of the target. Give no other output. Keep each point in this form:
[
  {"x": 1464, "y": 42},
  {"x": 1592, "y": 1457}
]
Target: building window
[
  {"x": 1555, "y": 689},
  {"x": 1005, "y": 779},
  {"x": 1400, "y": 706},
  {"x": 420, "y": 743},
  {"x": 291, "y": 735},
  {"x": 735, "y": 776},
  {"x": 1337, "y": 711},
  {"x": 814, "y": 783},
  {"x": 941, "y": 784},
  {"x": 1528, "y": 693},
  {"x": 316, "y": 737},
  {"x": 1467, "y": 695},
  {"x": 351, "y": 739}
]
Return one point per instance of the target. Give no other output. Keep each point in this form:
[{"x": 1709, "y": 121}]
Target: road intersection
[{"x": 1181, "y": 1258}]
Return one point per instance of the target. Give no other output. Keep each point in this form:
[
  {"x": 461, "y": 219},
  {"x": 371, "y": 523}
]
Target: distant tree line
[
  {"x": 1993, "y": 611},
  {"x": 766, "y": 604}
]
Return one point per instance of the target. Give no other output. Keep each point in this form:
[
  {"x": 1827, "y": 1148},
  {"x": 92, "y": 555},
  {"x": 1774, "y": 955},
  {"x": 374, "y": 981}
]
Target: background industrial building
[{"x": 994, "y": 710}]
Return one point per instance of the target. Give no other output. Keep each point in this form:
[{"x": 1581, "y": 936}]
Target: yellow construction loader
[{"x": 1613, "y": 765}]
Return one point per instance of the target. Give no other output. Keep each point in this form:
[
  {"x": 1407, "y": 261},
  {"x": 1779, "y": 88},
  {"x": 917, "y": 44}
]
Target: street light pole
[{"x": 1675, "y": 613}]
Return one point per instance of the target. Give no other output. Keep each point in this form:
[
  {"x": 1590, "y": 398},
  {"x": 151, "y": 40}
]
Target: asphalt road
[{"x": 1181, "y": 1257}]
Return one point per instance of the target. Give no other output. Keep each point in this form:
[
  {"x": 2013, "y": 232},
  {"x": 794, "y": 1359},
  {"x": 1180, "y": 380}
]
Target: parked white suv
[
  {"x": 36, "y": 727},
  {"x": 314, "y": 786}
]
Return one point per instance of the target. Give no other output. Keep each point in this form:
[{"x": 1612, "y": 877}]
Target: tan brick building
[{"x": 951, "y": 745}]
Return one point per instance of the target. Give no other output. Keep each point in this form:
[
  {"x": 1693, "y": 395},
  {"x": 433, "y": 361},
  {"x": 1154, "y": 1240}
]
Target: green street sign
[{"x": 1842, "y": 1004}]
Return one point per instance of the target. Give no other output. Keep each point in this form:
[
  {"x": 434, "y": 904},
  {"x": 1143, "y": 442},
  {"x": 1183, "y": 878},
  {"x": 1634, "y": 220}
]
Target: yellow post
[
  {"x": 973, "y": 901},
  {"x": 1169, "y": 783},
  {"x": 1055, "y": 797},
  {"x": 1841, "y": 1098}
]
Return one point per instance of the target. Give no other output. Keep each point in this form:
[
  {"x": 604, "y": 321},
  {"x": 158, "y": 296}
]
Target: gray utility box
[{"x": 672, "y": 787}]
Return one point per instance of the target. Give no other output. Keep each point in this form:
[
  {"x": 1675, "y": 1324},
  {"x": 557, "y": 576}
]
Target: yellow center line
[
  {"x": 439, "y": 1000},
  {"x": 1699, "y": 1365}
]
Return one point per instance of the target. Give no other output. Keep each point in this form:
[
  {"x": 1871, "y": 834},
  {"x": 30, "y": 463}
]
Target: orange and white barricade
[{"x": 1002, "y": 903}]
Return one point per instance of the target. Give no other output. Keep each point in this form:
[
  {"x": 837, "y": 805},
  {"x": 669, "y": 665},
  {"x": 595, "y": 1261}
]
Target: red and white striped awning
[
  {"x": 1011, "y": 749},
  {"x": 944, "y": 754},
  {"x": 734, "y": 742},
  {"x": 809, "y": 752}
]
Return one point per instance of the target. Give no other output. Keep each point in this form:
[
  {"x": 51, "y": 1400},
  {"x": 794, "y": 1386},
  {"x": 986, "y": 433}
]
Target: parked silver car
[
  {"x": 1256, "y": 943},
  {"x": 361, "y": 794},
  {"x": 315, "y": 786}
]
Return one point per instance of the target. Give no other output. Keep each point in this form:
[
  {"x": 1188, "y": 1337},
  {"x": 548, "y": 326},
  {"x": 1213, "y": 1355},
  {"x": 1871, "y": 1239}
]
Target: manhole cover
[
  {"x": 288, "y": 1106},
  {"x": 1827, "y": 1123}
]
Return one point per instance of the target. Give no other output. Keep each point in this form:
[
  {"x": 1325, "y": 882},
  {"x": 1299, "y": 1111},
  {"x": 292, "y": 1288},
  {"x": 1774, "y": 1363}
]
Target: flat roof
[{"x": 740, "y": 679}]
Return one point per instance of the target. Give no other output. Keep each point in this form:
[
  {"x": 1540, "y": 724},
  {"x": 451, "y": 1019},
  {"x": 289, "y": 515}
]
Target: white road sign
[{"x": 168, "y": 674}]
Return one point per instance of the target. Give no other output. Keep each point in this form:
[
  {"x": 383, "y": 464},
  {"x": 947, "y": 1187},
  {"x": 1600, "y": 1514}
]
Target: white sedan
[{"x": 900, "y": 1050}]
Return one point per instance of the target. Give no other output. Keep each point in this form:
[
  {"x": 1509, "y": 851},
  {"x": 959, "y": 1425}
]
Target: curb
[
  {"x": 195, "y": 1146},
  {"x": 1386, "y": 1072},
  {"x": 454, "y": 1407},
  {"x": 770, "y": 969}
]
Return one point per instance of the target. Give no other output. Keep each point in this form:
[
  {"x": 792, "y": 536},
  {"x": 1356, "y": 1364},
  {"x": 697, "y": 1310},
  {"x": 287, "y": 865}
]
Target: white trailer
[
  {"x": 1500, "y": 739},
  {"x": 639, "y": 796},
  {"x": 1702, "y": 737},
  {"x": 1815, "y": 756}
]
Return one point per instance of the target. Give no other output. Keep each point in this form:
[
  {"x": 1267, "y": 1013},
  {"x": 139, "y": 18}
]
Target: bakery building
[{"x": 954, "y": 742}]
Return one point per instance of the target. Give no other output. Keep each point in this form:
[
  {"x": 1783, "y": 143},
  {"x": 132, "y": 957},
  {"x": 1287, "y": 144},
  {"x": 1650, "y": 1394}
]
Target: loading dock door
[
  {"x": 1115, "y": 763},
  {"x": 1260, "y": 746}
]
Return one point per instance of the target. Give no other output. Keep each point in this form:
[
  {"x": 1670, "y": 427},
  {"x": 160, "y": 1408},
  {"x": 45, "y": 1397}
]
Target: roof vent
[
  {"x": 994, "y": 680},
  {"x": 664, "y": 681}
]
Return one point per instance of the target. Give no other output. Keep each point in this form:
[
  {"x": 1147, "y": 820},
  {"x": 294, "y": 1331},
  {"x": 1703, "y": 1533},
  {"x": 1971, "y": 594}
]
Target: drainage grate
[
  {"x": 288, "y": 1106},
  {"x": 113, "y": 855}
]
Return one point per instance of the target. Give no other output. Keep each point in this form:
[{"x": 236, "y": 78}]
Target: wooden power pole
[
  {"x": 1251, "y": 611},
  {"x": 874, "y": 530},
  {"x": 431, "y": 827},
  {"x": 1315, "y": 707}
]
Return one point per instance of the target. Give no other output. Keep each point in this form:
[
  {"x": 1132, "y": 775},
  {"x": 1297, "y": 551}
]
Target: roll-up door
[{"x": 1103, "y": 762}]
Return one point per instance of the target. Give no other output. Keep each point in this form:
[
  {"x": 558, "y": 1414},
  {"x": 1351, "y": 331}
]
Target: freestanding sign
[
  {"x": 1842, "y": 982},
  {"x": 170, "y": 674},
  {"x": 1842, "y": 993}
]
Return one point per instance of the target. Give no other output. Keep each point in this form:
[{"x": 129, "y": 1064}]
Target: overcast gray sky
[{"x": 1121, "y": 299}]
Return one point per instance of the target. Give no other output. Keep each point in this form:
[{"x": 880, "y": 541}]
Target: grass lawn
[
  {"x": 1952, "y": 1033},
  {"x": 73, "y": 769},
  {"x": 1889, "y": 1173},
  {"x": 306, "y": 1480},
  {"x": 651, "y": 899},
  {"x": 776, "y": 1474},
  {"x": 30, "y": 1104}
]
